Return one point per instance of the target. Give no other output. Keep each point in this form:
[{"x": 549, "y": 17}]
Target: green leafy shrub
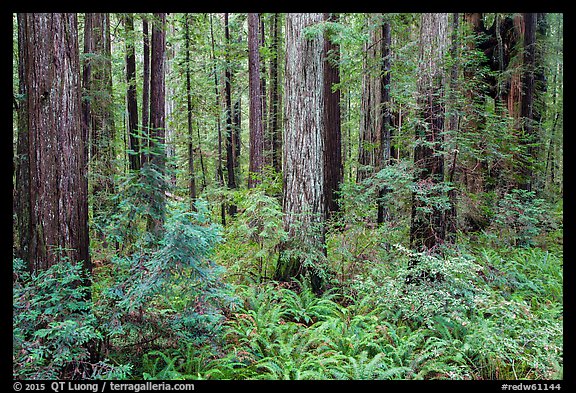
[
  {"x": 168, "y": 296},
  {"x": 520, "y": 217},
  {"x": 418, "y": 292},
  {"x": 54, "y": 328}
]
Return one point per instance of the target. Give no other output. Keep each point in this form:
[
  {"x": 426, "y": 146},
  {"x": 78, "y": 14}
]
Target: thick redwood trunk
[
  {"x": 57, "y": 141},
  {"x": 303, "y": 162}
]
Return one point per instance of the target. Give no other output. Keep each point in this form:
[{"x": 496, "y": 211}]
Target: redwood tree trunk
[
  {"x": 303, "y": 161},
  {"x": 158, "y": 85},
  {"x": 386, "y": 129},
  {"x": 256, "y": 124},
  {"x": 529, "y": 21},
  {"x": 333, "y": 169},
  {"x": 230, "y": 165},
  {"x": 370, "y": 118},
  {"x": 158, "y": 117},
  {"x": 427, "y": 227},
  {"x": 98, "y": 114},
  {"x": 22, "y": 163},
  {"x": 145, "y": 87},
  {"x": 451, "y": 215},
  {"x": 191, "y": 172},
  {"x": 274, "y": 129},
  {"x": 58, "y": 225},
  {"x": 131, "y": 99},
  {"x": 219, "y": 170}
]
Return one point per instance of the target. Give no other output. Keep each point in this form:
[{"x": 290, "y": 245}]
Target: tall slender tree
[
  {"x": 385, "y": 112},
  {"x": 370, "y": 118},
  {"x": 22, "y": 164},
  {"x": 256, "y": 120},
  {"x": 274, "y": 106},
  {"x": 230, "y": 164},
  {"x": 527, "y": 112},
  {"x": 98, "y": 113},
  {"x": 219, "y": 169},
  {"x": 191, "y": 172},
  {"x": 158, "y": 118},
  {"x": 453, "y": 118},
  {"x": 427, "y": 228},
  {"x": 145, "y": 85},
  {"x": 333, "y": 169},
  {"x": 303, "y": 161},
  {"x": 131, "y": 99}
]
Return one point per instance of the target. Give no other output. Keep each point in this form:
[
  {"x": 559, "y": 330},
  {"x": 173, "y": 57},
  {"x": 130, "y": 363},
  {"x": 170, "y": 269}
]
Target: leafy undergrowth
[
  {"x": 491, "y": 315},
  {"x": 198, "y": 303}
]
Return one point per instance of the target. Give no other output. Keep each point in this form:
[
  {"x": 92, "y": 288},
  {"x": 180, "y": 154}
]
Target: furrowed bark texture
[
  {"x": 256, "y": 99},
  {"x": 57, "y": 141},
  {"x": 158, "y": 85},
  {"x": 303, "y": 162},
  {"x": 22, "y": 163},
  {"x": 158, "y": 116}
]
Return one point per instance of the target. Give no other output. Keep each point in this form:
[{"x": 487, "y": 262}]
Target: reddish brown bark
[
  {"x": 333, "y": 168},
  {"x": 145, "y": 86},
  {"x": 230, "y": 164},
  {"x": 58, "y": 225},
  {"x": 132, "y": 104},
  {"x": 158, "y": 85},
  {"x": 256, "y": 124}
]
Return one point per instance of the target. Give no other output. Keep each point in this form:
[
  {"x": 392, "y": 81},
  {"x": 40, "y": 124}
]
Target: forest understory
[{"x": 203, "y": 196}]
